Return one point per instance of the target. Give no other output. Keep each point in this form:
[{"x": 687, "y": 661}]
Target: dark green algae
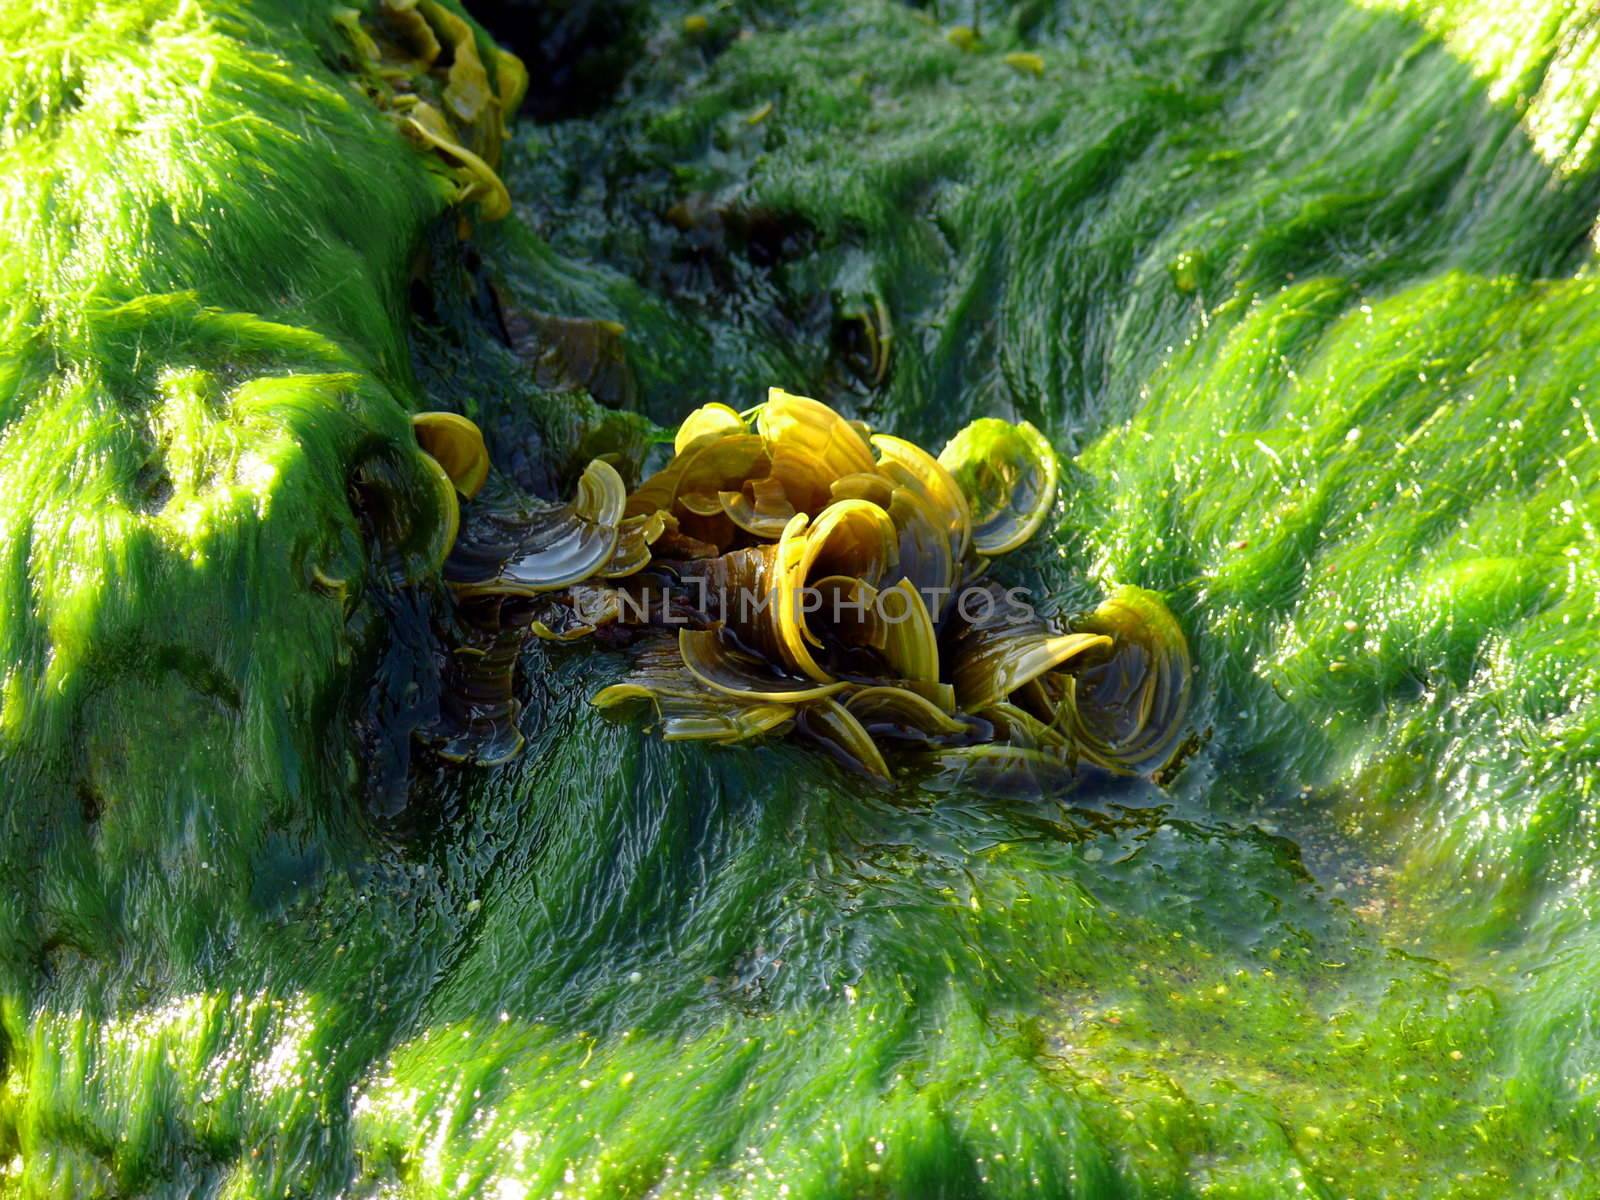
[{"x": 1303, "y": 293}]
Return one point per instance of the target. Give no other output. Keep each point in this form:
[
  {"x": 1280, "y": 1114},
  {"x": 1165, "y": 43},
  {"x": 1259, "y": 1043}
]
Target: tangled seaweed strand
[{"x": 789, "y": 570}]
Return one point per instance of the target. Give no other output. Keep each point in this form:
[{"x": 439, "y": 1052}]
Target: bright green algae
[{"x": 1302, "y": 293}]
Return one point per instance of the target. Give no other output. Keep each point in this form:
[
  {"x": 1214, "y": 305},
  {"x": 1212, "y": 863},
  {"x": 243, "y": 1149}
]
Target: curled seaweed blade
[
  {"x": 811, "y": 446},
  {"x": 761, "y": 507},
  {"x": 868, "y": 344},
  {"x": 1044, "y": 697},
  {"x": 807, "y": 479},
  {"x": 635, "y": 536},
  {"x": 485, "y": 712},
  {"x": 721, "y": 464},
  {"x": 908, "y": 465},
  {"x": 942, "y": 695},
  {"x": 450, "y": 527},
  {"x": 716, "y": 462},
  {"x": 1016, "y": 726},
  {"x": 688, "y": 710},
  {"x": 457, "y": 445},
  {"x": 576, "y": 612},
  {"x": 926, "y": 560},
  {"x": 349, "y": 22},
  {"x": 900, "y": 715},
  {"x": 410, "y": 509},
  {"x": 658, "y": 492},
  {"x": 711, "y": 529},
  {"x": 787, "y": 419},
  {"x": 511, "y": 85},
  {"x": 911, "y": 645},
  {"x": 837, "y": 730},
  {"x": 541, "y": 550},
  {"x": 716, "y": 660},
  {"x": 851, "y": 538},
  {"x": 487, "y": 740},
  {"x": 467, "y": 91},
  {"x": 478, "y": 708},
  {"x": 584, "y": 608},
  {"x": 786, "y": 619},
  {"x": 701, "y": 504},
  {"x": 986, "y": 672},
  {"x": 741, "y": 587},
  {"x": 414, "y": 32},
  {"x": 680, "y": 723},
  {"x": 601, "y": 494},
  {"x": 863, "y": 486},
  {"x": 846, "y": 608},
  {"x": 1008, "y": 474},
  {"x": 1126, "y": 705},
  {"x": 716, "y": 420},
  {"x": 1001, "y": 648},
  {"x": 680, "y": 546},
  {"x": 480, "y": 182}
]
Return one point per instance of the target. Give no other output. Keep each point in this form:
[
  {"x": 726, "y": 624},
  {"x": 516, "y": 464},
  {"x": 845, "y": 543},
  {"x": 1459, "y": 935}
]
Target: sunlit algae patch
[{"x": 320, "y": 882}]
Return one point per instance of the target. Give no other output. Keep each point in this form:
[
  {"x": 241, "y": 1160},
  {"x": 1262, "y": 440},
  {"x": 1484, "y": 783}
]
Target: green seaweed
[{"x": 1300, "y": 290}]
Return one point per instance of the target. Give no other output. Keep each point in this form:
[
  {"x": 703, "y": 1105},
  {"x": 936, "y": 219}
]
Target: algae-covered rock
[
  {"x": 207, "y": 232},
  {"x": 1299, "y": 291}
]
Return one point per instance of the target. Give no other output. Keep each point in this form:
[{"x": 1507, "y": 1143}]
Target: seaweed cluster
[
  {"x": 789, "y": 569},
  {"x": 426, "y": 66}
]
